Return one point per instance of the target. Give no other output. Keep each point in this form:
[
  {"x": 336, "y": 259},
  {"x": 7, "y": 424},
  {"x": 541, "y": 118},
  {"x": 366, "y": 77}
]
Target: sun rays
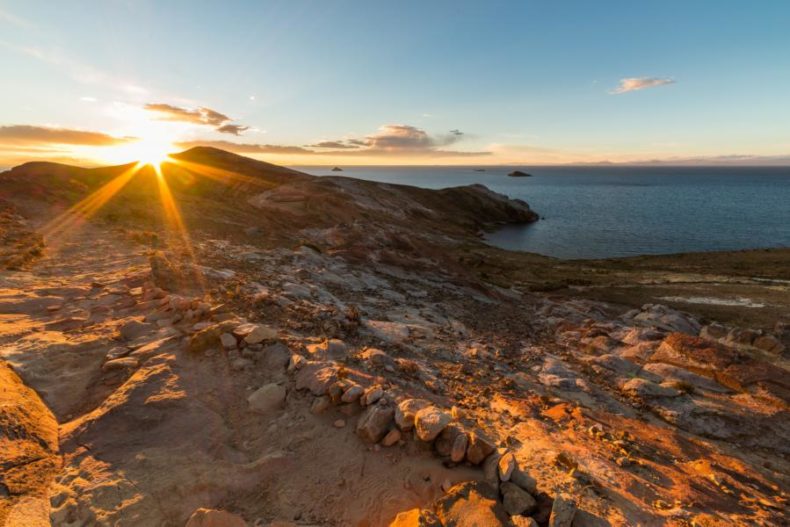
[{"x": 160, "y": 172}]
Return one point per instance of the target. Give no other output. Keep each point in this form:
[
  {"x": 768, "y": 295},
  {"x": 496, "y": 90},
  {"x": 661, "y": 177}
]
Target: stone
[
  {"x": 205, "y": 339},
  {"x": 430, "y": 421},
  {"x": 372, "y": 395},
  {"x": 135, "y": 329},
  {"x": 522, "y": 478},
  {"x": 516, "y": 500},
  {"x": 243, "y": 330},
  {"x": 320, "y": 405},
  {"x": 117, "y": 352},
  {"x": 444, "y": 442},
  {"x": 392, "y": 437},
  {"x": 490, "y": 468},
  {"x": 523, "y": 521},
  {"x": 562, "y": 512},
  {"x": 376, "y": 357},
  {"x": 416, "y": 518},
  {"x": 471, "y": 504},
  {"x": 339, "y": 423},
  {"x": 124, "y": 363},
  {"x": 267, "y": 398},
  {"x": 647, "y": 389},
  {"x": 316, "y": 377},
  {"x": 375, "y": 422},
  {"x": 276, "y": 356},
  {"x": 406, "y": 410},
  {"x": 480, "y": 446},
  {"x": 228, "y": 341},
  {"x": 330, "y": 349},
  {"x": 259, "y": 334},
  {"x": 458, "y": 450},
  {"x": 352, "y": 394},
  {"x": 215, "y": 518},
  {"x": 768, "y": 343},
  {"x": 506, "y": 465}
]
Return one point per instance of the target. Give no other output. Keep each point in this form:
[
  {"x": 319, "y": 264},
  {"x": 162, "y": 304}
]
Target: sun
[{"x": 151, "y": 152}]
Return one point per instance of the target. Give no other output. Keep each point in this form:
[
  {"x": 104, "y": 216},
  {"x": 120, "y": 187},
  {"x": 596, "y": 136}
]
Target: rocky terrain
[{"x": 225, "y": 342}]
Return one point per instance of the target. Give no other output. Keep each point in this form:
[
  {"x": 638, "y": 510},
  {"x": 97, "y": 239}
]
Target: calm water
[{"x": 597, "y": 212}]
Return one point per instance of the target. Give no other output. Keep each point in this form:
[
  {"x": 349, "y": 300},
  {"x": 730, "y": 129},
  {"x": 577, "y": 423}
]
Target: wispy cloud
[
  {"x": 640, "y": 83},
  {"x": 41, "y": 135},
  {"x": 389, "y": 140},
  {"x": 199, "y": 116},
  {"x": 18, "y": 21}
]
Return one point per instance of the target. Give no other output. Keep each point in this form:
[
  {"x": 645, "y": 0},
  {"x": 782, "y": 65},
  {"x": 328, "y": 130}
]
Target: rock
[
  {"x": 243, "y": 330},
  {"x": 117, "y": 352},
  {"x": 646, "y": 389},
  {"x": 458, "y": 450},
  {"x": 562, "y": 512},
  {"x": 276, "y": 357},
  {"x": 406, "y": 410},
  {"x": 522, "y": 478},
  {"x": 316, "y": 377},
  {"x": 215, "y": 518},
  {"x": 392, "y": 437},
  {"x": 713, "y": 332},
  {"x": 372, "y": 395},
  {"x": 352, "y": 394},
  {"x": 768, "y": 343},
  {"x": 471, "y": 504},
  {"x": 205, "y": 339},
  {"x": 506, "y": 465},
  {"x": 515, "y": 499},
  {"x": 519, "y": 173},
  {"x": 340, "y": 423},
  {"x": 523, "y": 521},
  {"x": 490, "y": 468},
  {"x": 444, "y": 442},
  {"x": 375, "y": 422},
  {"x": 320, "y": 405},
  {"x": 376, "y": 357},
  {"x": 259, "y": 334},
  {"x": 330, "y": 349},
  {"x": 416, "y": 518},
  {"x": 480, "y": 446},
  {"x": 228, "y": 341},
  {"x": 123, "y": 363},
  {"x": 135, "y": 329},
  {"x": 430, "y": 421},
  {"x": 267, "y": 398}
]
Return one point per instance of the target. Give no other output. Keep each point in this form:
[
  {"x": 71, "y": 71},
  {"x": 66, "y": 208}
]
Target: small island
[
  {"x": 519, "y": 173},
  {"x": 337, "y": 169}
]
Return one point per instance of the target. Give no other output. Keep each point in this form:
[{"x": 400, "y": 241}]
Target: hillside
[{"x": 230, "y": 341}]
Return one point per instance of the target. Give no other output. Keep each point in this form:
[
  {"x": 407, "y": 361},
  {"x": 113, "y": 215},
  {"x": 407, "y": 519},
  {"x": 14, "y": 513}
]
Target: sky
[{"x": 410, "y": 82}]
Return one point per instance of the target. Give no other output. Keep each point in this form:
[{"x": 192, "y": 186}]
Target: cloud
[
  {"x": 390, "y": 140},
  {"x": 26, "y": 134},
  {"x": 247, "y": 148},
  {"x": 200, "y": 115},
  {"x": 18, "y": 21},
  {"x": 640, "y": 83},
  {"x": 235, "y": 129},
  {"x": 338, "y": 145}
]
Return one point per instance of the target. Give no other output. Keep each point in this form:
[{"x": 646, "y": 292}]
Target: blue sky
[{"x": 408, "y": 82}]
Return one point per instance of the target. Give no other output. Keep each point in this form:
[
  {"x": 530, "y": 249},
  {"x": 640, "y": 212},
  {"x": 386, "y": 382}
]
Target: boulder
[
  {"x": 416, "y": 518},
  {"x": 135, "y": 329},
  {"x": 377, "y": 358},
  {"x": 260, "y": 333},
  {"x": 267, "y": 398},
  {"x": 562, "y": 512},
  {"x": 458, "y": 451},
  {"x": 471, "y": 504},
  {"x": 215, "y": 518},
  {"x": 372, "y": 395},
  {"x": 320, "y": 405},
  {"x": 430, "y": 421},
  {"x": 330, "y": 349},
  {"x": 523, "y": 521},
  {"x": 444, "y": 443},
  {"x": 406, "y": 410},
  {"x": 276, "y": 357},
  {"x": 228, "y": 341},
  {"x": 506, "y": 466},
  {"x": 392, "y": 437},
  {"x": 516, "y": 500},
  {"x": 480, "y": 446},
  {"x": 646, "y": 389},
  {"x": 375, "y": 422},
  {"x": 352, "y": 394},
  {"x": 316, "y": 377},
  {"x": 768, "y": 343}
]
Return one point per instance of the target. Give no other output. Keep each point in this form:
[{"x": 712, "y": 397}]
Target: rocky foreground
[{"x": 328, "y": 351}]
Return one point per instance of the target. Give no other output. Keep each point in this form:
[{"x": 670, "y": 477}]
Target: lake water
[{"x": 602, "y": 212}]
